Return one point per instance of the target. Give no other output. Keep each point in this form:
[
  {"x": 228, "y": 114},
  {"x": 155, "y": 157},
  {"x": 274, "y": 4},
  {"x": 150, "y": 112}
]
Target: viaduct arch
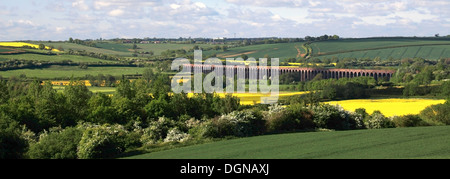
[{"x": 306, "y": 74}]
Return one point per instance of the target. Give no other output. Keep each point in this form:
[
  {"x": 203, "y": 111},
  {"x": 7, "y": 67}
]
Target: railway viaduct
[{"x": 306, "y": 74}]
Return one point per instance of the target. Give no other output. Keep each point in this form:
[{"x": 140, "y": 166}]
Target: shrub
[
  {"x": 57, "y": 145},
  {"x": 175, "y": 135},
  {"x": 332, "y": 117},
  {"x": 199, "y": 131},
  {"x": 408, "y": 121},
  {"x": 438, "y": 114},
  {"x": 218, "y": 127},
  {"x": 12, "y": 145},
  {"x": 294, "y": 117},
  {"x": 377, "y": 121},
  {"x": 101, "y": 141},
  {"x": 237, "y": 123},
  {"x": 279, "y": 121},
  {"x": 157, "y": 131}
]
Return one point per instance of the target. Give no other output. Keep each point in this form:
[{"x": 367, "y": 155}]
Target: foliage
[
  {"x": 101, "y": 141},
  {"x": 332, "y": 117},
  {"x": 157, "y": 131},
  {"x": 60, "y": 144},
  {"x": 438, "y": 114},
  {"x": 408, "y": 121},
  {"x": 294, "y": 117},
  {"x": 12, "y": 145},
  {"x": 237, "y": 123},
  {"x": 377, "y": 121},
  {"x": 175, "y": 135},
  {"x": 100, "y": 109}
]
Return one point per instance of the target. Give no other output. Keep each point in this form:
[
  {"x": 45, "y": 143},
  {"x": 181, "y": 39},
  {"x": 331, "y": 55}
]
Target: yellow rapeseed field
[
  {"x": 22, "y": 44},
  {"x": 255, "y": 98},
  {"x": 389, "y": 107},
  {"x": 311, "y": 64},
  {"x": 66, "y": 83}
]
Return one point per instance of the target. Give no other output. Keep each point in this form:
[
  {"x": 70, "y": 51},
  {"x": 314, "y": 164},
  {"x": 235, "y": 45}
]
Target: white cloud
[
  {"x": 269, "y": 3},
  {"x": 79, "y": 4},
  {"x": 116, "y": 12}
]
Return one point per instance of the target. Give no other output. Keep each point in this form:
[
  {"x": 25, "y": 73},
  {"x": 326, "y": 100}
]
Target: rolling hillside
[
  {"x": 383, "y": 48},
  {"x": 416, "y": 142}
]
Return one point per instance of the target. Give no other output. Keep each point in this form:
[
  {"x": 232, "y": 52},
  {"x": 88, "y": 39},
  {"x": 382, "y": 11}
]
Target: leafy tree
[
  {"x": 142, "y": 92},
  {"x": 425, "y": 76},
  {"x": 161, "y": 86},
  {"x": 125, "y": 89},
  {"x": 50, "y": 107},
  {"x": 57, "y": 145},
  {"x": 41, "y": 47},
  {"x": 125, "y": 109},
  {"x": 244, "y": 56},
  {"x": 12, "y": 145},
  {"x": 101, "y": 110},
  {"x": 148, "y": 75},
  {"x": 157, "y": 108},
  {"x": 225, "y": 105},
  {"x": 180, "y": 104},
  {"x": 77, "y": 95}
]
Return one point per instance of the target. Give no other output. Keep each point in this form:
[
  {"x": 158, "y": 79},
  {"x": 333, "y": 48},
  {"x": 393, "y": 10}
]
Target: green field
[
  {"x": 115, "y": 47},
  {"x": 52, "y": 58},
  {"x": 125, "y": 50},
  {"x": 354, "y": 48},
  {"x": 56, "y": 71},
  {"x": 77, "y": 47},
  {"x": 157, "y": 49},
  {"x": 279, "y": 50},
  {"x": 5, "y": 50},
  {"x": 383, "y": 48},
  {"x": 415, "y": 142},
  {"x": 94, "y": 89}
]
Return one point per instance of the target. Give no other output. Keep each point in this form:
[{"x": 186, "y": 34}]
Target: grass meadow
[{"x": 65, "y": 72}]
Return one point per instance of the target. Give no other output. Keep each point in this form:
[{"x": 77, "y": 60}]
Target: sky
[{"x": 107, "y": 19}]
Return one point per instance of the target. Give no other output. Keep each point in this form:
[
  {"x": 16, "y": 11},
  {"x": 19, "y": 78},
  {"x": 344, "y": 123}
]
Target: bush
[
  {"x": 408, "y": 121},
  {"x": 377, "y": 121},
  {"x": 279, "y": 121},
  {"x": 157, "y": 131},
  {"x": 237, "y": 123},
  {"x": 218, "y": 127},
  {"x": 294, "y": 117},
  {"x": 332, "y": 117},
  {"x": 57, "y": 145},
  {"x": 438, "y": 114},
  {"x": 103, "y": 141},
  {"x": 244, "y": 123},
  {"x": 12, "y": 145},
  {"x": 175, "y": 135}
]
